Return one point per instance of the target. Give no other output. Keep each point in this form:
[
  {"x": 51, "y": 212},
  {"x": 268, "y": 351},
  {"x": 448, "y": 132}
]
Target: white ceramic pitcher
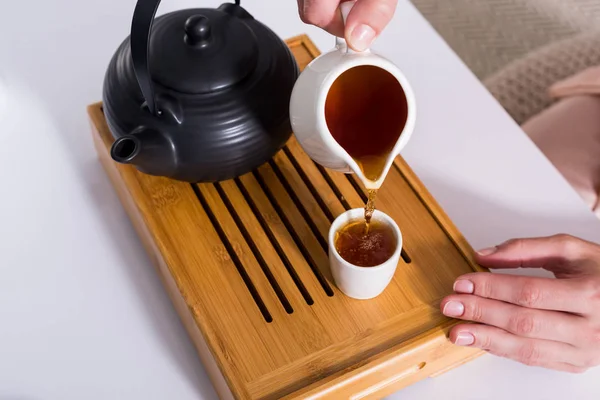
[{"x": 307, "y": 106}]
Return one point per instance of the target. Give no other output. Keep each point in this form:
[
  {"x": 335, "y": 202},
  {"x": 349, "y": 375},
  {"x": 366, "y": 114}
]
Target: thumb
[
  {"x": 562, "y": 254},
  {"x": 366, "y": 21}
]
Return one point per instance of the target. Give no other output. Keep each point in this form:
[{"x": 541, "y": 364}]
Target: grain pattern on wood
[{"x": 245, "y": 263}]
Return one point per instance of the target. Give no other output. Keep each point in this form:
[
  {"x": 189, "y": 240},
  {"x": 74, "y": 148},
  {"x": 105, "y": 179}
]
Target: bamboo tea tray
[{"x": 245, "y": 263}]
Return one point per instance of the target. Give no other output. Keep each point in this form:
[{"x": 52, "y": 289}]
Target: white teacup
[{"x": 362, "y": 282}]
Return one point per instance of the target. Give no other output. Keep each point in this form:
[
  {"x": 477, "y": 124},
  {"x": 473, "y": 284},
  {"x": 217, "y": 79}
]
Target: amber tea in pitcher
[{"x": 366, "y": 110}]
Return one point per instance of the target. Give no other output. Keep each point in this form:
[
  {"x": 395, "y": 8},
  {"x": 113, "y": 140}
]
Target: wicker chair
[
  {"x": 521, "y": 86},
  {"x": 518, "y": 48}
]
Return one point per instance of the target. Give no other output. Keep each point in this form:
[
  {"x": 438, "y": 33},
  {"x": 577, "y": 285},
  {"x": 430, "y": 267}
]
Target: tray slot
[
  {"x": 234, "y": 257},
  {"x": 295, "y": 237},
  {"x": 309, "y": 184},
  {"x": 333, "y": 187},
  {"x": 405, "y": 256},
  {"x": 306, "y": 198},
  {"x": 347, "y": 191},
  {"x": 358, "y": 188},
  {"x": 299, "y": 159},
  {"x": 259, "y": 258},
  {"x": 284, "y": 258},
  {"x": 292, "y": 194}
]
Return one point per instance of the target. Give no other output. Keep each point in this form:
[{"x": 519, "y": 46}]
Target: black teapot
[{"x": 198, "y": 95}]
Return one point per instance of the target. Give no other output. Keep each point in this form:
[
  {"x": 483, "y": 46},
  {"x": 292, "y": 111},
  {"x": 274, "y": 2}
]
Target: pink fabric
[
  {"x": 585, "y": 82},
  {"x": 568, "y": 133}
]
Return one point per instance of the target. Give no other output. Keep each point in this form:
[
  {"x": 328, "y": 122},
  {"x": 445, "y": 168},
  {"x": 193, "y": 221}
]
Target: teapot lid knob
[
  {"x": 197, "y": 30},
  {"x": 199, "y": 51}
]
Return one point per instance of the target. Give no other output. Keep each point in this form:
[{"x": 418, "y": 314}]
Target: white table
[{"x": 83, "y": 314}]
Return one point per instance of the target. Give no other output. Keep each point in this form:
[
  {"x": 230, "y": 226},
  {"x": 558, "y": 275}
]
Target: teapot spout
[{"x": 148, "y": 150}]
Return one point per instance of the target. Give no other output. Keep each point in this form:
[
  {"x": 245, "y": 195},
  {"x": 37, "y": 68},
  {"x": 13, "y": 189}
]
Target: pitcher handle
[
  {"x": 340, "y": 43},
  {"x": 139, "y": 41}
]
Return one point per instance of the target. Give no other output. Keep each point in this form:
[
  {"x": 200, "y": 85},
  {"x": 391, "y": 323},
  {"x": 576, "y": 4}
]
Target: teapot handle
[{"x": 139, "y": 41}]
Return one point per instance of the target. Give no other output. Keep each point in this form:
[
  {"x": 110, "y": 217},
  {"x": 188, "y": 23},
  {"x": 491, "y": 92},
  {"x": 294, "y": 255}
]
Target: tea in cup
[{"x": 363, "y": 258}]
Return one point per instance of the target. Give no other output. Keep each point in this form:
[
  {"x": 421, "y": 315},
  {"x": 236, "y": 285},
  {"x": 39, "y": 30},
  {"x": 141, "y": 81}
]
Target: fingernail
[
  {"x": 464, "y": 286},
  {"x": 488, "y": 251},
  {"x": 453, "y": 309},
  {"x": 361, "y": 37},
  {"x": 464, "y": 339}
]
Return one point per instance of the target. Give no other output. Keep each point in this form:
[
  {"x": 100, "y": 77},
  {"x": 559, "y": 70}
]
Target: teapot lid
[{"x": 201, "y": 51}]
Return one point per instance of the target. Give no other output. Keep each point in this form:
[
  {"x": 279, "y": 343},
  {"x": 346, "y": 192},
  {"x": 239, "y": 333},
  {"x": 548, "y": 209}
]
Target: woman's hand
[
  {"x": 365, "y": 22},
  {"x": 552, "y": 323}
]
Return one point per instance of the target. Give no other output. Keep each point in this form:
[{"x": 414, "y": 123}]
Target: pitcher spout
[
  {"x": 148, "y": 150},
  {"x": 372, "y": 175}
]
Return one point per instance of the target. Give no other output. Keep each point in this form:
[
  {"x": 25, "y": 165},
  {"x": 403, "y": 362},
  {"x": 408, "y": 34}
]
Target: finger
[
  {"x": 541, "y": 293},
  {"x": 524, "y": 322},
  {"x": 561, "y": 254},
  {"x": 566, "y": 367},
  {"x": 533, "y": 352},
  {"x": 322, "y": 13},
  {"x": 367, "y": 20}
]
